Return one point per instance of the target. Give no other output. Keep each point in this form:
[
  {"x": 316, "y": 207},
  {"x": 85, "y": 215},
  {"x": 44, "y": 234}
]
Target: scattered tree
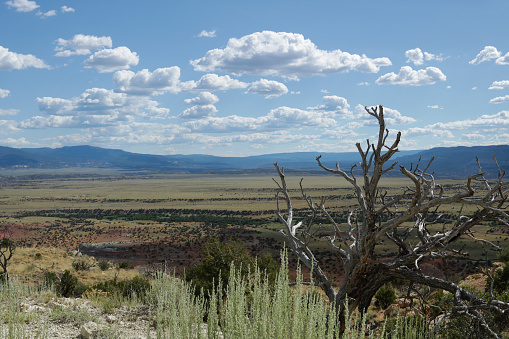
[
  {"x": 402, "y": 219},
  {"x": 7, "y": 247}
]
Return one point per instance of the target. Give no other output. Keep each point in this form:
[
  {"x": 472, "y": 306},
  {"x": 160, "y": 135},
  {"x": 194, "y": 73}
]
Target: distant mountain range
[{"x": 450, "y": 162}]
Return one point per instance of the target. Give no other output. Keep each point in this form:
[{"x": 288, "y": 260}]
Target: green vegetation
[
  {"x": 384, "y": 297},
  {"x": 218, "y": 258}
]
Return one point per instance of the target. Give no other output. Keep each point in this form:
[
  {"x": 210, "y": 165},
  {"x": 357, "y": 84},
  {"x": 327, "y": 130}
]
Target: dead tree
[
  {"x": 403, "y": 219},
  {"x": 7, "y": 247}
]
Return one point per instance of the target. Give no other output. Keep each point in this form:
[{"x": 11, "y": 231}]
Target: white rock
[
  {"x": 111, "y": 318},
  {"x": 89, "y": 330}
]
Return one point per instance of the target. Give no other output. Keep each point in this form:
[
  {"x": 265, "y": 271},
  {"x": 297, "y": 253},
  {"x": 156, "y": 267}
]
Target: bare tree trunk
[{"x": 396, "y": 218}]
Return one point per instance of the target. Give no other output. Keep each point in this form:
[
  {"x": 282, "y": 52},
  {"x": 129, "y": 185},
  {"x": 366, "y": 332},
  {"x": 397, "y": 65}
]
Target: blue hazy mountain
[{"x": 453, "y": 162}]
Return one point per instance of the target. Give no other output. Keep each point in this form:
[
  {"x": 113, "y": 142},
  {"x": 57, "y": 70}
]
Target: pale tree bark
[{"x": 403, "y": 219}]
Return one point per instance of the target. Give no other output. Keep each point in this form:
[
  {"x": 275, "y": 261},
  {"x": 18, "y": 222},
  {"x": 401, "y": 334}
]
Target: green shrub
[
  {"x": 38, "y": 256},
  {"x": 65, "y": 286},
  {"x": 504, "y": 255},
  {"x": 500, "y": 279},
  {"x": 126, "y": 288},
  {"x": 125, "y": 265},
  {"x": 384, "y": 297},
  {"x": 104, "y": 265},
  {"x": 70, "y": 286},
  {"x": 81, "y": 265},
  {"x": 218, "y": 256}
]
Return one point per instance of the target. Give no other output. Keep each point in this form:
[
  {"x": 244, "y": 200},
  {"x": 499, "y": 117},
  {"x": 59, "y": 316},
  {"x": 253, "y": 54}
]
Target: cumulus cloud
[
  {"x": 9, "y": 111},
  {"x": 47, "y": 14},
  {"x": 81, "y": 44},
  {"x": 94, "y": 107},
  {"x": 204, "y": 98},
  {"x": 66, "y": 9},
  {"x": 4, "y": 93},
  {"x": 473, "y": 136},
  {"x": 499, "y": 100},
  {"x": 335, "y": 104},
  {"x": 159, "y": 81},
  {"x": 392, "y": 117},
  {"x": 8, "y": 126},
  {"x": 269, "y": 88},
  {"x": 499, "y": 84},
  {"x": 278, "y": 118},
  {"x": 484, "y": 121},
  {"x": 503, "y": 60},
  {"x": 287, "y": 55},
  {"x": 417, "y": 57},
  {"x": 433, "y": 131},
  {"x": 10, "y": 60},
  {"x": 198, "y": 111},
  {"x": 207, "y": 34},
  {"x": 409, "y": 77},
  {"x": 20, "y": 142},
  {"x": 488, "y": 53},
  {"x": 22, "y": 5},
  {"x": 111, "y": 60},
  {"x": 212, "y": 82}
]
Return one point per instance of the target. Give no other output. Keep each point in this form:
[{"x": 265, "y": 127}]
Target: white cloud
[
  {"x": 484, "y": 121},
  {"x": 417, "y": 56},
  {"x": 365, "y": 83},
  {"x": 271, "y": 89},
  {"x": 278, "y": 118},
  {"x": 207, "y": 34},
  {"x": 66, "y": 9},
  {"x": 499, "y": 84},
  {"x": 409, "y": 77},
  {"x": 20, "y": 142},
  {"x": 428, "y": 130},
  {"x": 287, "y": 55},
  {"x": 9, "y": 111},
  {"x": 10, "y": 60},
  {"x": 159, "y": 81},
  {"x": 212, "y": 82},
  {"x": 473, "y": 136},
  {"x": 53, "y": 121},
  {"x": 22, "y": 5},
  {"x": 110, "y": 60},
  {"x": 81, "y": 44},
  {"x": 198, "y": 111},
  {"x": 8, "y": 126},
  {"x": 47, "y": 14},
  {"x": 435, "y": 107},
  {"x": 4, "y": 93},
  {"x": 324, "y": 91},
  {"x": 474, "y": 88},
  {"x": 503, "y": 60},
  {"x": 94, "y": 107},
  {"x": 392, "y": 117},
  {"x": 488, "y": 53},
  {"x": 335, "y": 104},
  {"x": 499, "y": 100},
  {"x": 204, "y": 98}
]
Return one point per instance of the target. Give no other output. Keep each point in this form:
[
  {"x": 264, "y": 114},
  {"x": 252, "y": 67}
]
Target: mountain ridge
[{"x": 449, "y": 162}]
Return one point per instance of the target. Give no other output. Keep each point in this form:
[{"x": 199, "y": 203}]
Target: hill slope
[{"x": 450, "y": 162}]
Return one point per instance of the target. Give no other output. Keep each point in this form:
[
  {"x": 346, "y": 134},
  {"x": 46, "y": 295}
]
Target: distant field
[{"x": 155, "y": 218}]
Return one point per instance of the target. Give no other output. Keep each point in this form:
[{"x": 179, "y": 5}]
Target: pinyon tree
[{"x": 403, "y": 219}]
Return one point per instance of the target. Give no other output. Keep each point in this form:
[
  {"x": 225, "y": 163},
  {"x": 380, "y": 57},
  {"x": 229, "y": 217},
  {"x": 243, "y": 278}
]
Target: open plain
[{"x": 162, "y": 219}]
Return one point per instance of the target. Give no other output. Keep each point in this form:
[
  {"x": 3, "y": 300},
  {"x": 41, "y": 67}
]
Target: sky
[{"x": 240, "y": 78}]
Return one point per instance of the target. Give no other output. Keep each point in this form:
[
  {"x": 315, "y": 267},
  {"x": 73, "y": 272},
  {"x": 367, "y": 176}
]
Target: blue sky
[{"x": 236, "y": 78}]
